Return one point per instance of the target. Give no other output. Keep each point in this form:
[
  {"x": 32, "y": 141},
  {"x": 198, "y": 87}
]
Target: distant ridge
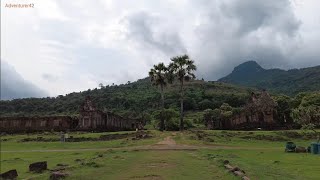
[{"x": 289, "y": 82}]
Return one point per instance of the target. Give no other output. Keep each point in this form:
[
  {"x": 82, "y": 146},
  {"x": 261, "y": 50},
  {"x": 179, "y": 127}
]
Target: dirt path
[{"x": 167, "y": 141}]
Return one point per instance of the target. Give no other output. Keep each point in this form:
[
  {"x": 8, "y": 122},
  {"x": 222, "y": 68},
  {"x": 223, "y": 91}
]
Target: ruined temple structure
[
  {"x": 259, "y": 112},
  {"x": 36, "y": 123},
  {"x": 90, "y": 119}
]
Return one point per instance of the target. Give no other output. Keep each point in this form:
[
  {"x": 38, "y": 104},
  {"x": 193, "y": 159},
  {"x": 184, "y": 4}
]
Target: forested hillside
[
  {"x": 131, "y": 99},
  {"x": 289, "y": 82}
]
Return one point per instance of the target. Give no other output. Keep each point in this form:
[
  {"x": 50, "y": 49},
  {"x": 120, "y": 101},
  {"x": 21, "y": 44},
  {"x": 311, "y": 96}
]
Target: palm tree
[
  {"x": 158, "y": 78},
  {"x": 182, "y": 68}
]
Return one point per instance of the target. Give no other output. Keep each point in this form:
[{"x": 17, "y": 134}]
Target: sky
[{"x": 58, "y": 46}]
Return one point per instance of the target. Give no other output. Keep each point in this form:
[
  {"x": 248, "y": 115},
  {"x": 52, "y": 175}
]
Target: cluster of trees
[
  {"x": 170, "y": 119},
  {"x": 307, "y": 111},
  {"x": 132, "y": 99},
  {"x": 218, "y": 115},
  {"x": 302, "y": 110},
  {"x": 181, "y": 69}
]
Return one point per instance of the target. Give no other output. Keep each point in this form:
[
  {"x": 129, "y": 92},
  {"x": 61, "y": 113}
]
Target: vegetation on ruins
[
  {"x": 224, "y": 112},
  {"x": 307, "y": 114}
]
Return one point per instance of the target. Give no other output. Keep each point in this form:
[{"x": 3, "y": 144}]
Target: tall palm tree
[
  {"x": 182, "y": 68},
  {"x": 158, "y": 76}
]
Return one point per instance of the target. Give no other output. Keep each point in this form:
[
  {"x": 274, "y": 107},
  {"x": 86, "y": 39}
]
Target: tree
[
  {"x": 182, "y": 68},
  {"x": 168, "y": 116},
  {"x": 307, "y": 114},
  {"x": 158, "y": 78},
  {"x": 225, "y": 113},
  {"x": 284, "y": 109},
  {"x": 308, "y": 118},
  {"x": 207, "y": 115},
  {"x": 205, "y": 104}
]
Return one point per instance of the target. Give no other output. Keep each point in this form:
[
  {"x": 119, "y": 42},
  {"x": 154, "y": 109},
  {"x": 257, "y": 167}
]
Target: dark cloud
[
  {"x": 13, "y": 85},
  {"x": 251, "y": 15},
  {"x": 238, "y": 31},
  {"x": 147, "y": 31},
  {"x": 226, "y": 34}
]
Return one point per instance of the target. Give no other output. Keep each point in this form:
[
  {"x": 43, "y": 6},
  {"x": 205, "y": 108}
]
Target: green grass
[
  {"x": 155, "y": 164},
  {"x": 261, "y": 159},
  {"x": 259, "y": 139},
  {"x": 269, "y": 164},
  {"x": 13, "y": 143},
  {"x": 119, "y": 165}
]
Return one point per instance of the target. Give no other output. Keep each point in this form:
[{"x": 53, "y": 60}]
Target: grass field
[{"x": 189, "y": 155}]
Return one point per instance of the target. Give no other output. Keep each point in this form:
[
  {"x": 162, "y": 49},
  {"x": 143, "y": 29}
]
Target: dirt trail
[{"x": 167, "y": 141}]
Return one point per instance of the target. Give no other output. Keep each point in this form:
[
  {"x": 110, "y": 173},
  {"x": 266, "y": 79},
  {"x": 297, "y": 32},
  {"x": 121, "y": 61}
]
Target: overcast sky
[{"x": 62, "y": 46}]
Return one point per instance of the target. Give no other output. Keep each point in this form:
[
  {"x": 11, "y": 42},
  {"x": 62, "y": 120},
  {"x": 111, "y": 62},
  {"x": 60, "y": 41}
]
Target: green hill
[
  {"x": 289, "y": 82},
  {"x": 131, "y": 99}
]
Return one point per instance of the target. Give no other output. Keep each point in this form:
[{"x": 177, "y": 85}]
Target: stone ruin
[
  {"x": 90, "y": 119},
  {"x": 38, "y": 167},
  {"x": 259, "y": 112}
]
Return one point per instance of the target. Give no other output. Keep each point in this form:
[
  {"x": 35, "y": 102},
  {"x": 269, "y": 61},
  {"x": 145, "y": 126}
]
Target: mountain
[
  {"x": 288, "y": 82},
  {"x": 13, "y": 85},
  {"x": 131, "y": 99}
]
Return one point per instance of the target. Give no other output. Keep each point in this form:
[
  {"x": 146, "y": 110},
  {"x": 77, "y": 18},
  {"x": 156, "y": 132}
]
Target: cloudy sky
[{"x": 62, "y": 46}]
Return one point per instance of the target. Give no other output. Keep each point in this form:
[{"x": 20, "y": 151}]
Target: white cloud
[{"x": 64, "y": 46}]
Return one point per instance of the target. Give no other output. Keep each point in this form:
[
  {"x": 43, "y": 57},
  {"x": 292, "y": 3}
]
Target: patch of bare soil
[
  {"x": 147, "y": 177},
  {"x": 159, "y": 165},
  {"x": 168, "y": 144},
  {"x": 167, "y": 141}
]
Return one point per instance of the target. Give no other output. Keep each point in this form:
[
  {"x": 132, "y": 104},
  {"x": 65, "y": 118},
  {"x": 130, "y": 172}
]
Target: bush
[
  {"x": 205, "y": 104},
  {"x": 172, "y": 124}
]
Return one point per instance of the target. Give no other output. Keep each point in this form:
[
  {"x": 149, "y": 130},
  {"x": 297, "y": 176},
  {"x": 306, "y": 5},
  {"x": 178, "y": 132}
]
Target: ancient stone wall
[
  {"x": 90, "y": 119},
  {"x": 257, "y": 113},
  {"x": 101, "y": 121},
  {"x": 30, "y": 124}
]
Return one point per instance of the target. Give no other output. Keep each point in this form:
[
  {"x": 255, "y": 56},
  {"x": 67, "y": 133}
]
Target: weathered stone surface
[
  {"x": 91, "y": 119},
  {"x": 12, "y": 174},
  {"x": 228, "y": 166},
  {"x": 238, "y": 173},
  {"x": 61, "y": 164},
  {"x": 245, "y": 178},
  {"x": 257, "y": 113},
  {"x": 31, "y": 124},
  {"x": 58, "y": 175},
  {"x": 38, "y": 166},
  {"x": 300, "y": 149},
  {"x": 235, "y": 169}
]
